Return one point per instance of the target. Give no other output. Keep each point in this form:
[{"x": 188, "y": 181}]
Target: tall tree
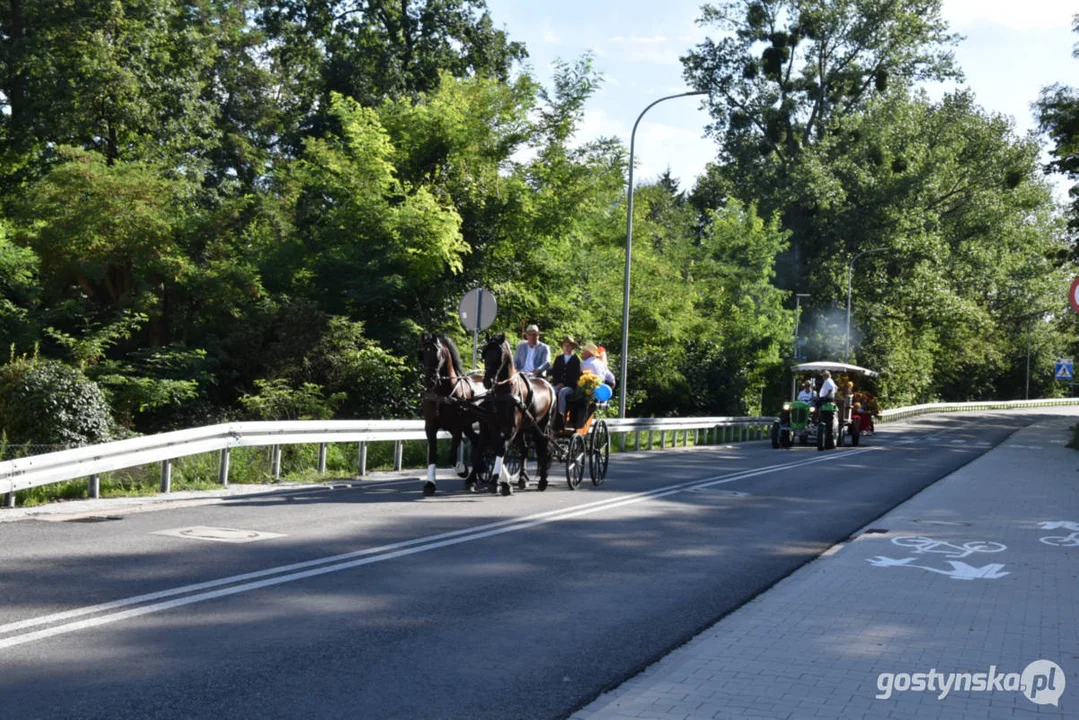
[
  {"x": 782, "y": 71},
  {"x": 1058, "y": 117}
]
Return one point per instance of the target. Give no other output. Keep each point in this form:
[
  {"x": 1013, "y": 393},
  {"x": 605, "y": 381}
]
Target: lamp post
[
  {"x": 629, "y": 250},
  {"x": 797, "y": 323},
  {"x": 850, "y": 278},
  {"x": 1029, "y": 317}
]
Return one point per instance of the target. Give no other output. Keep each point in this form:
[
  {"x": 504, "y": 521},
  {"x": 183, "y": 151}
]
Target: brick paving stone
[{"x": 856, "y": 620}]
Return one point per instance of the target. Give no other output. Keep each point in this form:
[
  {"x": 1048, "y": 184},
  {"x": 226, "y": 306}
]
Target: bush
[{"x": 46, "y": 402}]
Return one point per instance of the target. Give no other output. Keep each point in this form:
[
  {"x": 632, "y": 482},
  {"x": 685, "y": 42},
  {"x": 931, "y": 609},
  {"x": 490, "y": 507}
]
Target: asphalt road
[{"x": 374, "y": 602}]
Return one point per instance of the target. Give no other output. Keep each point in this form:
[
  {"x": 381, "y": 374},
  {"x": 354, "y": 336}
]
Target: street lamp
[
  {"x": 850, "y": 276},
  {"x": 797, "y": 323},
  {"x": 629, "y": 250},
  {"x": 1030, "y": 317}
]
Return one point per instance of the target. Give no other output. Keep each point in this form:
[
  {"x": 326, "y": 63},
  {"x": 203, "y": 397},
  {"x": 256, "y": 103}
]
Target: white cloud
[
  {"x": 1026, "y": 15},
  {"x": 634, "y": 40},
  {"x": 654, "y": 49},
  {"x": 659, "y": 146}
]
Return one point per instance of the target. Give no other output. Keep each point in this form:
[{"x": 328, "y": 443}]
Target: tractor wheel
[{"x": 775, "y": 435}]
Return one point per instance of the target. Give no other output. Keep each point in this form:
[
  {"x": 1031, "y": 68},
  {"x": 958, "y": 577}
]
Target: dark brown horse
[
  {"x": 448, "y": 404},
  {"x": 515, "y": 404}
]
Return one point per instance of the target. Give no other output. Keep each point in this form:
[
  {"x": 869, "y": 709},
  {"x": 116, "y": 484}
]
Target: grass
[{"x": 252, "y": 466}]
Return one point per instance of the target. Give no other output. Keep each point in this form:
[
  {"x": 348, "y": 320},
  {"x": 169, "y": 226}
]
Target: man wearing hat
[
  {"x": 532, "y": 356},
  {"x": 565, "y": 373}
]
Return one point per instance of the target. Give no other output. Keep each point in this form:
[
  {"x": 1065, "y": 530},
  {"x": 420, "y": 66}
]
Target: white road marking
[
  {"x": 219, "y": 534},
  {"x": 358, "y": 559}
]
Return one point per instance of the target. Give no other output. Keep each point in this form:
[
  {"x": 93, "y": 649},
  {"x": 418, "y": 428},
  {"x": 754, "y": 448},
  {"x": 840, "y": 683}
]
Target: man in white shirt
[
  {"x": 807, "y": 395},
  {"x": 532, "y": 357},
  {"x": 827, "y": 388}
]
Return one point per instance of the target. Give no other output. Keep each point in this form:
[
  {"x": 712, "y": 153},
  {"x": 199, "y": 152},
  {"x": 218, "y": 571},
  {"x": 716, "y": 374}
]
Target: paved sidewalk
[{"x": 895, "y": 611}]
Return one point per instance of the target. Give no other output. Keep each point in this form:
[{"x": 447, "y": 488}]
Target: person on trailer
[
  {"x": 565, "y": 372},
  {"x": 532, "y": 356},
  {"x": 806, "y": 394}
]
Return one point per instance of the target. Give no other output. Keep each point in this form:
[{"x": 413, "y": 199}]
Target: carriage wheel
[
  {"x": 575, "y": 460},
  {"x": 600, "y": 454}
]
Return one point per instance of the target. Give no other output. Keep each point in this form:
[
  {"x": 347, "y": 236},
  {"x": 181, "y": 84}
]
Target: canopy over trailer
[{"x": 833, "y": 367}]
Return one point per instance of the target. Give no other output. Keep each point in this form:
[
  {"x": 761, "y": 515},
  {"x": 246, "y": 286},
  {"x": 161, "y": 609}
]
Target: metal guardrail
[
  {"x": 91, "y": 461},
  {"x": 914, "y": 410}
]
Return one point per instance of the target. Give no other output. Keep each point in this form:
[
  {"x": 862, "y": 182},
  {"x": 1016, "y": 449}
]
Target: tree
[
  {"x": 107, "y": 232},
  {"x": 1058, "y": 117},
  {"x": 122, "y": 78},
  {"x": 972, "y": 243},
  {"x": 366, "y": 243},
  {"x": 785, "y": 70}
]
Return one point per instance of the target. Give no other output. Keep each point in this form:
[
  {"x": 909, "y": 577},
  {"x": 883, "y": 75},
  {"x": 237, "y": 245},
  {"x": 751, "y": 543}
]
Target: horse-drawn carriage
[
  {"x": 508, "y": 419},
  {"x": 586, "y": 441}
]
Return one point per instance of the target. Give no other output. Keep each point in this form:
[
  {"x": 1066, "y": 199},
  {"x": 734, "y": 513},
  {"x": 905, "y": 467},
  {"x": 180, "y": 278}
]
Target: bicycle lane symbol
[
  {"x": 921, "y": 545},
  {"x": 1071, "y": 540}
]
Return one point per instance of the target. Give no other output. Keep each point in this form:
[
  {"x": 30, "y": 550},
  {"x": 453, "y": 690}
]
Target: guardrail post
[
  {"x": 636, "y": 439},
  {"x": 662, "y": 439},
  {"x": 275, "y": 463},
  {"x": 398, "y": 454},
  {"x": 322, "y": 458},
  {"x": 166, "y": 476},
  {"x": 95, "y": 486},
  {"x": 361, "y": 459},
  {"x": 223, "y": 468},
  {"x": 622, "y": 443},
  {"x": 9, "y": 500},
  {"x": 649, "y": 439}
]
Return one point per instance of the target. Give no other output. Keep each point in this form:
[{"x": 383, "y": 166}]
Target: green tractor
[
  {"x": 833, "y": 425},
  {"x": 794, "y": 421}
]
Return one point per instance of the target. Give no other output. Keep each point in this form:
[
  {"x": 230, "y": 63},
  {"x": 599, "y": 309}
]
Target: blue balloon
[{"x": 602, "y": 393}]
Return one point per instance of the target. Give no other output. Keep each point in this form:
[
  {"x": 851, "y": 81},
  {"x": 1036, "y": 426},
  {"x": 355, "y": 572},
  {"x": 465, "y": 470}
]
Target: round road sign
[
  {"x": 1073, "y": 295},
  {"x": 477, "y": 310}
]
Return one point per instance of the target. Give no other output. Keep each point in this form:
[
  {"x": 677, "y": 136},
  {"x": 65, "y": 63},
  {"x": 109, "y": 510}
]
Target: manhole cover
[
  {"x": 941, "y": 522},
  {"x": 219, "y": 534}
]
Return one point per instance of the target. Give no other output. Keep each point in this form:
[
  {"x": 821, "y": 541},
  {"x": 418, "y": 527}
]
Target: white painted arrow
[
  {"x": 959, "y": 571},
  {"x": 1057, "y": 524}
]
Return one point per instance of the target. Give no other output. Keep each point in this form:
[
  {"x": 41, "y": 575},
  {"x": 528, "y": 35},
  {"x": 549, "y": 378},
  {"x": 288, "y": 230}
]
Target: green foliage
[
  {"x": 46, "y": 402},
  {"x": 276, "y": 400},
  {"x": 246, "y": 208},
  {"x": 1058, "y": 117}
]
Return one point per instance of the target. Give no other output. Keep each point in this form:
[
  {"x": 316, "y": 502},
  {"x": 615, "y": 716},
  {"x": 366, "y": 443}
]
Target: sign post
[{"x": 477, "y": 311}]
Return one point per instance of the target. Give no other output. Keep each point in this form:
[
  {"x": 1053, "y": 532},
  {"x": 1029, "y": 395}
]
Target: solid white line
[{"x": 380, "y": 554}]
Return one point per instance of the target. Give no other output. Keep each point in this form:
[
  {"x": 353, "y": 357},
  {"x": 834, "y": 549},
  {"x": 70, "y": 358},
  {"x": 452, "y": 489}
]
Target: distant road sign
[
  {"x": 1073, "y": 295},
  {"x": 478, "y": 309},
  {"x": 1064, "y": 370}
]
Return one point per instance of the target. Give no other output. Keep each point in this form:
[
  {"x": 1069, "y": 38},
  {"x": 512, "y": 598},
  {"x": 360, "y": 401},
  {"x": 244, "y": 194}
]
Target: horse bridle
[
  {"x": 437, "y": 378},
  {"x": 495, "y": 382}
]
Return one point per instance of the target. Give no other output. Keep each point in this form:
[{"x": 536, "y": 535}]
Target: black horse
[
  {"x": 515, "y": 404},
  {"x": 448, "y": 404}
]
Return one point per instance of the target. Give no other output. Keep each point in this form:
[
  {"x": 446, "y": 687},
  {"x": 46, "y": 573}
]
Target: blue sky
[{"x": 1012, "y": 49}]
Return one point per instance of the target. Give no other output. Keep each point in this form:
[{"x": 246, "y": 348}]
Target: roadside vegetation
[{"x": 252, "y": 209}]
